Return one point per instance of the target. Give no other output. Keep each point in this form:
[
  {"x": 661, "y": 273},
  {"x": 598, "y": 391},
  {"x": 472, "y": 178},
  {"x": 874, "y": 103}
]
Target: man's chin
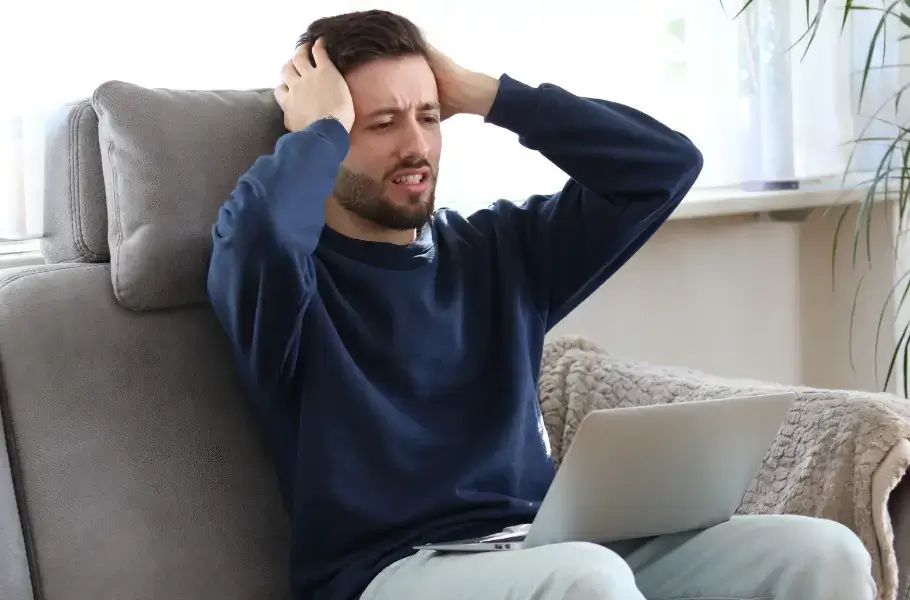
[
  {"x": 392, "y": 211},
  {"x": 402, "y": 200},
  {"x": 399, "y": 218},
  {"x": 412, "y": 217},
  {"x": 412, "y": 205}
]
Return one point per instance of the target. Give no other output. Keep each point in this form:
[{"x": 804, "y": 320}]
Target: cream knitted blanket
[{"x": 839, "y": 456}]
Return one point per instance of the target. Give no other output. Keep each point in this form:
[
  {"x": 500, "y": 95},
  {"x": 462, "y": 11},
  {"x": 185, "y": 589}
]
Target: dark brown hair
[{"x": 356, "y": 38}]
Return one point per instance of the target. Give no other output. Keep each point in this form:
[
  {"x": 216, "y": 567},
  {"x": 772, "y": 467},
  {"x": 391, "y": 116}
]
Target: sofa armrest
[
  {"x": 839, "y": 455},
  {"x": 578, "y": 376}
]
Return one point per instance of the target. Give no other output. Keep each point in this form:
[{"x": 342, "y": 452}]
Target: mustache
[{"x": 411, "y": 163}]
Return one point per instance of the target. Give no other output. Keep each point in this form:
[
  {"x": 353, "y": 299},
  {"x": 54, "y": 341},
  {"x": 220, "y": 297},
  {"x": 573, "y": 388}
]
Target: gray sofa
[{"x": 132, "y": 469}]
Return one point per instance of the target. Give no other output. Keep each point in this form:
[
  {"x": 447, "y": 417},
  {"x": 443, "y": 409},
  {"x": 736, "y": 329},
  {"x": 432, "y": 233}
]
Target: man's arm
[
  {"x": 627, "y": 172},
  {"x": 261, "y": 276}
]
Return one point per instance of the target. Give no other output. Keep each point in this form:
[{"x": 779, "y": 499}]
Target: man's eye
[
  {"x": 431, "y": 119},
  {"x": 383, "y": 125}
]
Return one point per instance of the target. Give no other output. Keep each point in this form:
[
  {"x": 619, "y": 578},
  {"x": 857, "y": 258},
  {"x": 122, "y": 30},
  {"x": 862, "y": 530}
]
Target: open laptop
[{"x": 651, "y": 470}]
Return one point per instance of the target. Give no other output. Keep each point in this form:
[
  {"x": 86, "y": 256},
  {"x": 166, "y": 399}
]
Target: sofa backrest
[{"x": 133, "y": 468}]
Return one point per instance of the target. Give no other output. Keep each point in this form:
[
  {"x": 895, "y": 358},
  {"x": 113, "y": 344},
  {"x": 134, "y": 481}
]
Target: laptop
[{"x": 646, "y": 471}]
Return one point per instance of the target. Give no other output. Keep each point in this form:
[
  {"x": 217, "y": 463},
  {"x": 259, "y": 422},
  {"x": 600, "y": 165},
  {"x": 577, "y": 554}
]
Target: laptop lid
[{"x": 660, "y": 469}]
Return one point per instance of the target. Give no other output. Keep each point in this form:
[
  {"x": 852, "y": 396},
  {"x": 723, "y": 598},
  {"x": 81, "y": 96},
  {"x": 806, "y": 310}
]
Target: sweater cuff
[
  {"x": 515, "y": 106},
  {"x": 329, "y": 129}
]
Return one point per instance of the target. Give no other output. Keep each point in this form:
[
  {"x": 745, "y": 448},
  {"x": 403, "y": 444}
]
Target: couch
[{"x": 132, "y": 469}]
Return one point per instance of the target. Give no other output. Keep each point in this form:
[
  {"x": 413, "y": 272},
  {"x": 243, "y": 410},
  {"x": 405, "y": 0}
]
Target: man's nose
[{"x": 414, "y": 140}]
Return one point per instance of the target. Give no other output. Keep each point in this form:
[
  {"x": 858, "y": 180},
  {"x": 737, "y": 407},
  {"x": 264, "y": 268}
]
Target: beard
[{"x": 365, "y": 197}]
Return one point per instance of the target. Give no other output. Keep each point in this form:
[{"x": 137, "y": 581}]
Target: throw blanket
[{"x": 839, "y": 456}]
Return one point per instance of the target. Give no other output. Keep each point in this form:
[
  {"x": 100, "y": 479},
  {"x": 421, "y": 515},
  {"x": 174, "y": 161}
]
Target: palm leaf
[{"x": 890, "y": 180}]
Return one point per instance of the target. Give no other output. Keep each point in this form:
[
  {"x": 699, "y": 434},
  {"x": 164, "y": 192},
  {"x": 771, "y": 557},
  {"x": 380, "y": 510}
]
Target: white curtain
[{"x": 684, "y": 61}]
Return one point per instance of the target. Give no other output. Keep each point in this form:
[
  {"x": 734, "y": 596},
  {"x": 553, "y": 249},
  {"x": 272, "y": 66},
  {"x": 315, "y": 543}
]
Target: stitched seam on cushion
[
  {"x": 76, "y": 208},
  {"x": 115, "y": 254},
  {"x": 9, "y": 278},
  {"x": 115, "y": 194},
  {"x": 75, "y": 183},
  {"x": 75, "y": 222}
]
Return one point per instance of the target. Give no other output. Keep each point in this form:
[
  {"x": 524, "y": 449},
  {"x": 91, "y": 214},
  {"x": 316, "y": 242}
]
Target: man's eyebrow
[{"x": 394, "y": 110}]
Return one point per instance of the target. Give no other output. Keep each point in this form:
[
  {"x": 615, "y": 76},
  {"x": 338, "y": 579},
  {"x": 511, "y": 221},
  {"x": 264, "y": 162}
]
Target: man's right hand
[{"x": 310, "y": 93}]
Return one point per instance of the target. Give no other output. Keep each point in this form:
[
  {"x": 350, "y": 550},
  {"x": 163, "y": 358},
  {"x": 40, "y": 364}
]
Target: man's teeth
[{"x": 409, "y": 179}]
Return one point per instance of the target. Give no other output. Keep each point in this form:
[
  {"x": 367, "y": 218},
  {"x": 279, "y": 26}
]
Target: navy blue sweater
[{"x": 397, "y": 385}]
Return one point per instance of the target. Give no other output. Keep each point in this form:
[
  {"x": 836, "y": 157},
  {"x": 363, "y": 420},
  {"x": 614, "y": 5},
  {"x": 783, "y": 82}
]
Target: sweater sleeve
[
  {"x": 261, "y": 275},
  {"x": 627, "y": 173}
]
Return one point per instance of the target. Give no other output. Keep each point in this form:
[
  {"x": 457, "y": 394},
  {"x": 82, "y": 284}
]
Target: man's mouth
[
  {"x": 414, "y": 181},
  {"x": 411, "y": 176},
  {"x": 410, "y": 179}
]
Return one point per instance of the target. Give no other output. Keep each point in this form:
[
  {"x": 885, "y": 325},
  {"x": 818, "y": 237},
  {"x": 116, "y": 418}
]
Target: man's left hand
[{"x": 461, "y": 91}]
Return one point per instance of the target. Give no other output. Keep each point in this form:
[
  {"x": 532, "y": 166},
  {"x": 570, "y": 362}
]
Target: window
[{"x": 686, "y": 62}]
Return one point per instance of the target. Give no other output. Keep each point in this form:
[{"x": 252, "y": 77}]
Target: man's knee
[
  {"x": 819, "y": 554},
  {"x": 578, "y": 570},
  {"x": 822, "y": 543}
]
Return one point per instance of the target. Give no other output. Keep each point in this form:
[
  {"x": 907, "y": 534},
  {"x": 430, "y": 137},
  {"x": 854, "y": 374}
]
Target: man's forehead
[{"x": 403, "y": 84}]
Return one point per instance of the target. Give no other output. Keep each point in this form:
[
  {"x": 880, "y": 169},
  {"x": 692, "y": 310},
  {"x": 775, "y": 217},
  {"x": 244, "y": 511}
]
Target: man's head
[{"x": 389, "y": 175}]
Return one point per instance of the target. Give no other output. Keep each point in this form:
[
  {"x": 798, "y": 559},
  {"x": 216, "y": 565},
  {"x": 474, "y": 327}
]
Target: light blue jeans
[{"x": 747, "y": 558}]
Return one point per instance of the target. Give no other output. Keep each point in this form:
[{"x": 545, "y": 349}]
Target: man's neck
[{"x": 350, "y": 225}]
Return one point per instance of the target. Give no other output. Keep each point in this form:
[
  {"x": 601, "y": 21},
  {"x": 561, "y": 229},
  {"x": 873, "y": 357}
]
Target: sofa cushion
[
  {"x": 15, "y": 575},
  {"x": 75, "y": 213},
  {"x": 140, "y": 472},
  {"x": 170, "y": 159}
]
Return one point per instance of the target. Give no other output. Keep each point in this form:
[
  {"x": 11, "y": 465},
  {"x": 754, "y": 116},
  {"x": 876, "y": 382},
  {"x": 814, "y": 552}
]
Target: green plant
[{"x": 890, "y": 181}]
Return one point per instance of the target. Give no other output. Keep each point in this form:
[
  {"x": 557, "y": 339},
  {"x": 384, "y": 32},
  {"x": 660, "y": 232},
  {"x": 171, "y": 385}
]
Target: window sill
[
  {"x": 20, "y": 254},
  {"x": 789, "y": 205}
]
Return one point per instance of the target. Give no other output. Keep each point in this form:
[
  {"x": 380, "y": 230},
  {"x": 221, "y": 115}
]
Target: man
[{"x": 392, "y": 351}]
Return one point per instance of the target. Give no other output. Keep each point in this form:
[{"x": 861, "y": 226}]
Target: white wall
[{"x": 747, "y": 297}]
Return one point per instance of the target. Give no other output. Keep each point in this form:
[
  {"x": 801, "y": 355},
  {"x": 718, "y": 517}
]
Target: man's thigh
[
  {"x": 781, "y": 557},
  {"x": 571, "y": 571},
  {"x": 785, "y": 557}
]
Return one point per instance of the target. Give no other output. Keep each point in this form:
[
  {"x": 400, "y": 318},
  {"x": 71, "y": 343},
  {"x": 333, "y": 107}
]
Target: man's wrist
[
  {"x": 332, "y": 117},
  {"x": 480, "y": 92}
]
